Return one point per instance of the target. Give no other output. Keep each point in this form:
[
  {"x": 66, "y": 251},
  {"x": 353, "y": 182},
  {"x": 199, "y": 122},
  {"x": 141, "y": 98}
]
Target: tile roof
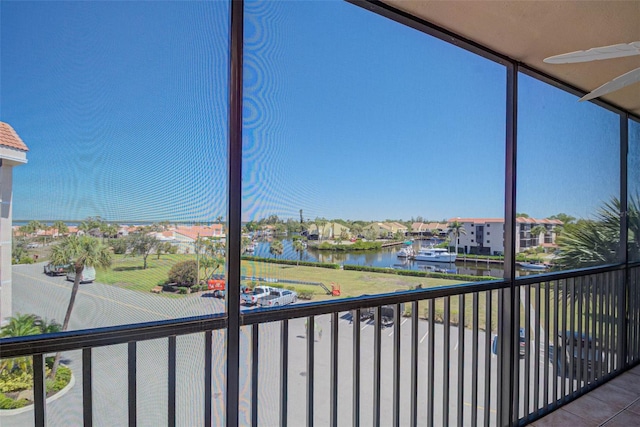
[
  {"x": 193, "y": 232},
  {"x": 9, "y": 138}
]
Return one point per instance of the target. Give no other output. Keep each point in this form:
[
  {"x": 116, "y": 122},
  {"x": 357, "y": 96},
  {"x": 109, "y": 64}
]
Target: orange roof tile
[{"x": 9, "y": 138}]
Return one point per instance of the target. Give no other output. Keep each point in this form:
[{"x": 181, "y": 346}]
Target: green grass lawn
[{"x": 127, "y": 272}]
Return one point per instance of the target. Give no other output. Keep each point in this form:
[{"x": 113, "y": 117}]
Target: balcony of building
[{"x": 511, "y": 350}]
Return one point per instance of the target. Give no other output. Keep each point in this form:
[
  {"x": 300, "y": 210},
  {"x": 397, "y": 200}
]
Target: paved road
[{"x": 103, "y": 305}]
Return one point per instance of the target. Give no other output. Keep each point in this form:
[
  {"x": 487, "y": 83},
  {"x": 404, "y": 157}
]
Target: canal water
[{"x": 385, "y": 257}]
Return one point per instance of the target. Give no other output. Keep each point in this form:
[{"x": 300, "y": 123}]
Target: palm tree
[
  {"x": 457, "y": 228},
  {"x": 536, "y": 232},
  {"x": 22, "y": 325},
  {"x": 81, "y": 252},
  {"x": 589, "y": 243},
  {"x": 298, "y": 246},
  {"x": 276, "y": 248},
  {"x": 60, "y": 227},
  {"x": 320, "y": 223}
]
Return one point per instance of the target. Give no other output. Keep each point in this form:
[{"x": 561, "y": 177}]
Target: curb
[{"x": 10, "y": 412}]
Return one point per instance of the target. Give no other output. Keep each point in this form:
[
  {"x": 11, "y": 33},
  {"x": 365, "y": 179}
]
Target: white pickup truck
[
  {"x": 258, "y": 293},
  {"x": 278, "y": 297}
]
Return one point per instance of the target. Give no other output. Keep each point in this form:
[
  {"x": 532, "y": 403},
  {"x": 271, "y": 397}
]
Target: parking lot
[{"x": 101, "y": 305}]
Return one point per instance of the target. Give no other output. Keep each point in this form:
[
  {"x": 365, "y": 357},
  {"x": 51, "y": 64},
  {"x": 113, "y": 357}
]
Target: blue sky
[{"x": 347, "y": 115}]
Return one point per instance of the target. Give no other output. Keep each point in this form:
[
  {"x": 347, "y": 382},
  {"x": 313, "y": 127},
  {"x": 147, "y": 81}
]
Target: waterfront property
[
  {"x": 326, "y": 101},
  {"x": 485, "y": 236}
]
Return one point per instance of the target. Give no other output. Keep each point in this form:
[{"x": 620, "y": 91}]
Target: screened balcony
[{"x": 506, "y": 350}]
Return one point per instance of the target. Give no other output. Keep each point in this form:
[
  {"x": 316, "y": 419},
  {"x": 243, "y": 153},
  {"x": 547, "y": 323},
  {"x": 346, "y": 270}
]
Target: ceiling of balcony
[{"x": 529, "y": 31}]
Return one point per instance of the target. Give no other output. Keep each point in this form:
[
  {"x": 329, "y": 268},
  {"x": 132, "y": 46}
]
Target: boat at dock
[
  {"x": 405, "y": 252},
  {"x": 532, "y": 266},
  {"x": 431, "y": 254}
]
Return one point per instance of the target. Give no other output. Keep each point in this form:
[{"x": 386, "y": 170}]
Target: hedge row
[
  {"x": 292, "y": 262},
  {"x": 359, "y": 245},
  {"x": 414, "y": 273},
  {"x": 388, "y": 270}
]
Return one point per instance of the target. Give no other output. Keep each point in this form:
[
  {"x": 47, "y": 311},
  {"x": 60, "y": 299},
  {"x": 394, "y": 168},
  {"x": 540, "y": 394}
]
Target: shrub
[
  {"x": 119, "y": 246},
  {"x": 182, "y": 290},
  {"x": 8, "y": 403},
  {"x": 306, "y": 295},
  {"x": 184, "y": 273},
  {"x": 26, "y": 260}
]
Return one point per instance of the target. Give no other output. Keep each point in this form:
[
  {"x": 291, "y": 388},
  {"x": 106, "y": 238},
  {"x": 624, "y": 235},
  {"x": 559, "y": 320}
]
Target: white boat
[
  {"x": 405, "y": 252},
  {"x": 431, "y": 254},
  {"x": 532, "y": 266}
]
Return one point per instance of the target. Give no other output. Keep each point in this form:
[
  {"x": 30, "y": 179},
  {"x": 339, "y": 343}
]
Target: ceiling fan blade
[
  {"x": 619, "y": 82},
  {"x": 596, "y": 53}
]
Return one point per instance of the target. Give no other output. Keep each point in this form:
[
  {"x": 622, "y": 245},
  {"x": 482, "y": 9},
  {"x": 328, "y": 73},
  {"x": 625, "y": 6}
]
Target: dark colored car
[
  {"x": 582, "y": 353},
  {"x": 494, "y": 344},
  {"x": 56, "y": 270}
]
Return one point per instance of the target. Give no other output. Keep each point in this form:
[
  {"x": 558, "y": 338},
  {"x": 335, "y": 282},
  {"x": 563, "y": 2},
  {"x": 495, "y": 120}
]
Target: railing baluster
[
  {"x": 334, "y": 370},
  {"x": 515, "y": 347},
  {"x": 414, "y": 364},
  {"x": 536, "y": 368},
  {"x": 556, "y": 322},
  {"x": 527, "y": 350},
  {"x": 284, "y": 370},
  {"x": 311, "y": 332},
  {"x": 431, "y": 362},
  {"x": 396, "y": 366},
  {"x": 356, "y": 368},
  {"x": 601, "y": 320},
  {"x": 377, "y": 347},
  {"x": 569, "y": 352},
  {"x": 636, "y": 314},
  {"x": 487, "y": 357},
  {"x": 562, "y": 347},
  {"x": 133, "y": 395},
  {"x": 255, "y": 365},
  {"x": 39, "y": 391},
  {"x": 208, "y": 378},
  {"x": 622, "y": 318},
  {"x": 460, "y": 385},
  {"x": 446, "y": 361},
  {"x": 607, "y": 330},
  {"x": 593, "y": 293},
  {"x": 547, "y": 314},
  {"x": 474, "y": 360},
  {"x": 171, "y": 393},
  {"x": 87, "y": 388},
  {"x": 579, "y": 336}
]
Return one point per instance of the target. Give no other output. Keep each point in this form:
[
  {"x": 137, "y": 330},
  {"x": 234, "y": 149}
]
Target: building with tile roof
[{"x": 13, "y": 152}]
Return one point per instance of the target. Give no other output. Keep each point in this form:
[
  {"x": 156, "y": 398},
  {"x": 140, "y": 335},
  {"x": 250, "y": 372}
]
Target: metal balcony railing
[{"x": 422, "y": 357}]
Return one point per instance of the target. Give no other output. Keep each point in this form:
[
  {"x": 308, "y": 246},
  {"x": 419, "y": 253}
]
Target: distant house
[
  {"x": 330, "y": 230},
  {"x": 485, "y": 236},
  {"x": 382, "y": 229},
  {"x": 185, "y": 237},
  {"x": 439, "y": 229},
  {"x": 13, "y": 152}
]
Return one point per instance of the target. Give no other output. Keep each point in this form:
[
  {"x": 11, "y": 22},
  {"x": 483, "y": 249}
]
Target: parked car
[
  {"x": 32, "y": 245},
  {"x": 494, "y": 344},
  {"x": 584, "y": 350},
  {"x": 55, "y": 270},
  {"x": 278, "y": 297},
  {"x": 258, "y": 293},
  {"x": 88, "y": 275}
]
